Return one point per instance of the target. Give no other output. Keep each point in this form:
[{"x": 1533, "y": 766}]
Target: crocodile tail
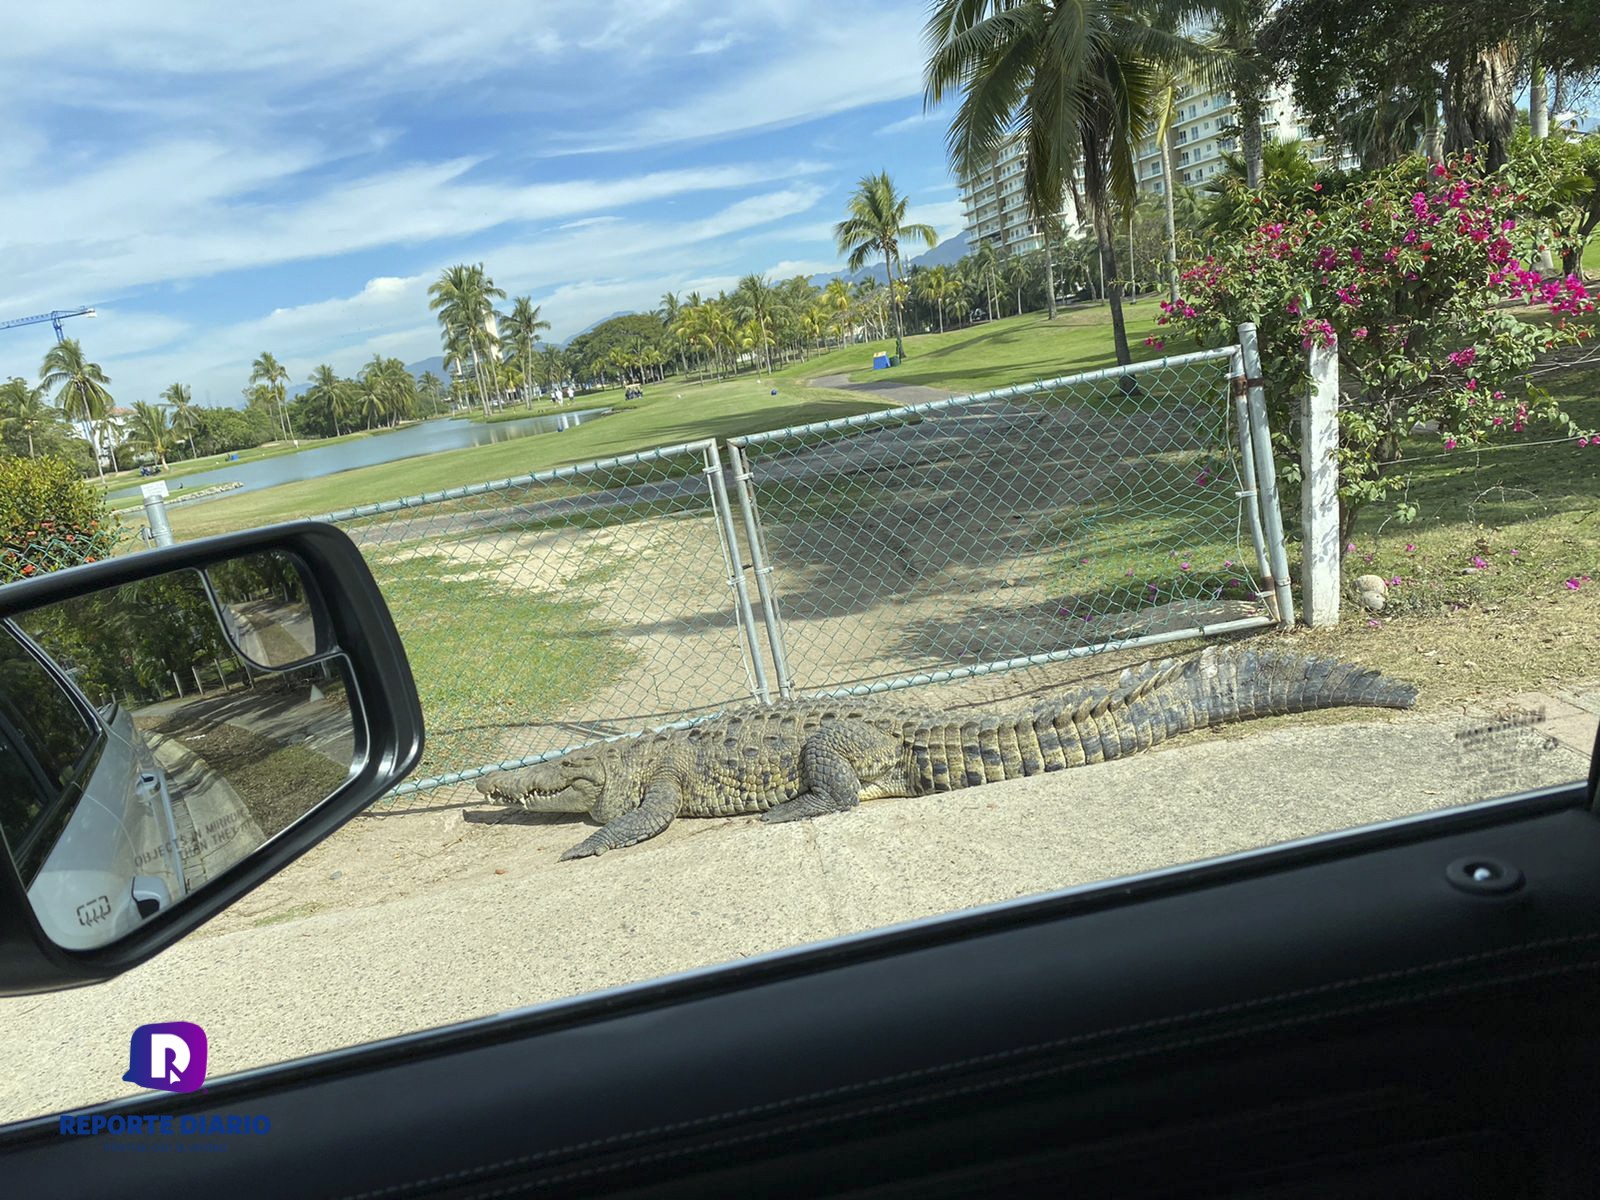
[
  {"x": 1240, "y": 682},
  {"x": 1154, "y": 702}
]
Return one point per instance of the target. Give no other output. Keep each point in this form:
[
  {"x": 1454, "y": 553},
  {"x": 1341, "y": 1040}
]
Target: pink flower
[
  {"x": 1464, "y": 358},
  {"x": 1478, "y": 562},
  {"x": 1360, "y": 333},
  {"x": 1583, "y": 441},
  {"x": 1395, "y": 582},
  {"x": 1233, "y": 583},
  {"x": 1574, "y": 584},
  {"x": 1202, "y": 479},
  {"x": 1449, "y": 443},
  {"x": 1374, "y": 623},
  {"x": 1316, "y": 187},
  {"x": 1351, "y": 548},
  {"x": 1227, "y": 562},
  {"x": 1183, "y": 566},
  {"x": 1411, "y": 547}
]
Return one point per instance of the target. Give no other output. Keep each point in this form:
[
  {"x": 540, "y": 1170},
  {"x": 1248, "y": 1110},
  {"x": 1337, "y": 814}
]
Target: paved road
[{"x": 457, "y": 911}]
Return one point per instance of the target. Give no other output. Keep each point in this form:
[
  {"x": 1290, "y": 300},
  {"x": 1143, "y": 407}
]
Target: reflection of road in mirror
[
  {"x": 271, "y": 633},
  {"x": 244, "y": 764}
]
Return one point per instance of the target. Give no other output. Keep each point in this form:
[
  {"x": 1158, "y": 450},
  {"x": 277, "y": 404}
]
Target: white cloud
[
  {"x": 832, "y": 62},
  {"x": 714, "y": 45},
  {"x": 904, "y": 125}
]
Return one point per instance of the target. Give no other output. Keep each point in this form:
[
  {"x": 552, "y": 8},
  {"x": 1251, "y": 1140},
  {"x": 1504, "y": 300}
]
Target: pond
[{"x": 425, "y": 437}]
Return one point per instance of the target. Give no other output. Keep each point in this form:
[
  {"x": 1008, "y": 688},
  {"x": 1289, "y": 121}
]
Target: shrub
[
  {"x": 1416, "y": 270},
  {"x": 50, "y": 518}
]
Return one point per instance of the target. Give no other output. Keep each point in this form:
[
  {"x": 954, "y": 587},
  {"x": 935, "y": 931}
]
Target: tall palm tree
[
  {"x": 81, "y": 392},
  {"x": 274, "y": 377},
  {"x": 185, "y": 416},
  {"x": 151, "y": 429},
  {"x": 463, "y": 296},
  {"x": 1237, "y": 62},
  {"x": 330, "y": 393},
  {"x": 1018, "y": 274},
  {"x": 875, "y": 225},
  {"x": 520, "y": 331},
  {"x": 26, "y": 411},
  {"x": 1077, "y": 78},
  {"x": 754, "y": 303}
]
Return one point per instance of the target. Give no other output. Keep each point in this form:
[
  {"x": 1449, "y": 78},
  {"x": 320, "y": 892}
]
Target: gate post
[
  {"x": 743, "y": 616},
  {"x": 1319, "y": 488},
  {"x": 744, "y": 479},
  {"x": 1266, "y": 470}
]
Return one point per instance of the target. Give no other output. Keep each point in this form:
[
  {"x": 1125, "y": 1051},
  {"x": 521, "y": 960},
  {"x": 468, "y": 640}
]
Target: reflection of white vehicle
[{"x": 83, "y": 804}]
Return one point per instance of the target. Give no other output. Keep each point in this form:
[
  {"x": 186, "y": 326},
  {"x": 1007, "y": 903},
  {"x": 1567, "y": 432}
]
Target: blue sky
[{"x": 225, "y": 179}]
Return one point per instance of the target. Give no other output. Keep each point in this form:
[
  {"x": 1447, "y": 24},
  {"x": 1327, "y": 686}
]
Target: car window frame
[{"x": 31, "y": 850}]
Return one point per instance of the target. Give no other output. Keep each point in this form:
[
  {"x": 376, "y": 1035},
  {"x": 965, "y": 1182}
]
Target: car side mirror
[{"x": 177, "y": 726}]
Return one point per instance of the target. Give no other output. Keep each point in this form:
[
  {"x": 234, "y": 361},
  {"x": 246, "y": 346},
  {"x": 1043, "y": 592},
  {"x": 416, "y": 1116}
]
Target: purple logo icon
[{"x": 170, "y": 1056}]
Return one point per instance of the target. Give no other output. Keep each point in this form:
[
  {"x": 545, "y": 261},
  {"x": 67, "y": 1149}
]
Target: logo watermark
[{"x": 168, "y": 1057}]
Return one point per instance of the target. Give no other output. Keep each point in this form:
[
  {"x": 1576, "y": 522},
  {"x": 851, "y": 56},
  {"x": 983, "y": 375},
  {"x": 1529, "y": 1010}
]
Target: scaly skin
[{"x": 804, "y": 758}]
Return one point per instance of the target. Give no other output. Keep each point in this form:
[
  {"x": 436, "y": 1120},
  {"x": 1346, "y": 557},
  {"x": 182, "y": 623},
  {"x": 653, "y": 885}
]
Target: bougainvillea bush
[
  {"x": 50, "y": 517},
  {"x": 1422, "y": 274}
]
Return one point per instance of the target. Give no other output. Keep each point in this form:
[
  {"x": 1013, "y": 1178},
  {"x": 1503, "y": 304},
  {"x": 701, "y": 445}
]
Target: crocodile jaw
[{"x": 547, "y": 787}]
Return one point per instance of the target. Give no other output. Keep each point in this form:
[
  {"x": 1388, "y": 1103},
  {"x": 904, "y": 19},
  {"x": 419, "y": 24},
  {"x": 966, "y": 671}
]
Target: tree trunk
[
  {"x": 1108, "y": 258},
  {"x": 894, "y": 302},
  {"x": 1432, "y": 129},
  {"x": 1019, "y": 302},
  {"x": 1049, "y": 280},
  {"x": 941, "y": 314},
  {"x": 1558, "y": 96},
  {"x": 1250, "y": 109},
  {"x": 1480, "y": 105},
  {"x": 1538, "y": 103},
  {"x": 1172, "y": 221}
]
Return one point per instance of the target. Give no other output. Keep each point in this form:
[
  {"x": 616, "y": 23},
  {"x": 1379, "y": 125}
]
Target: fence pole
[
  {"x": 1266, "y": 470},
  {"x": 763, "y": 569},
  {"x": 155, "y": 512},
  {"x": 1249, "y": 493},
  {"x": 730, "y": 544},
  {"x": 1319, "y": 488}
]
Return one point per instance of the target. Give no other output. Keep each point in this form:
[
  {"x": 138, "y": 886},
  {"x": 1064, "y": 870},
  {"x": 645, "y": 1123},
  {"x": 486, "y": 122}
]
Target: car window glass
[{"x": 44, "y": 736}]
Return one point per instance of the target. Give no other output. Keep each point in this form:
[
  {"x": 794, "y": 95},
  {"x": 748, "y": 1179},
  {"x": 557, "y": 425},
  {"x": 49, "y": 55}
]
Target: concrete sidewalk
[{"x": 417, "y": 919}]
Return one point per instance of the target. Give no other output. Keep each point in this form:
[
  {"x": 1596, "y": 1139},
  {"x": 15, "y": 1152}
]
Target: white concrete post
[{"x": 1319, "y": 488}]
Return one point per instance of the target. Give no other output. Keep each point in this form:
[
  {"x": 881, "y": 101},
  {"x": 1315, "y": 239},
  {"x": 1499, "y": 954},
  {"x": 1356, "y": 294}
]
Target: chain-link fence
[
  {"x": 565, "y": 606},
  {"x": 1007, "y": 529},
  {"x": 39, "y": 551},
  {"x": 1011, "y": 529}
]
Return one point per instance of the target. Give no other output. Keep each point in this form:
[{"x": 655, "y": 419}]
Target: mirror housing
[{"x": 356, "y": 621}]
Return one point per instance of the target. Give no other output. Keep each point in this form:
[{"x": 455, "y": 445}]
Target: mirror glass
[
  {"x": 263, "y": 602},
  {"x": 141, "y": 755}
]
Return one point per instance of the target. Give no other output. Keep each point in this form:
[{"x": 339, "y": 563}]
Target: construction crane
[{"x": 55, "y": 318}]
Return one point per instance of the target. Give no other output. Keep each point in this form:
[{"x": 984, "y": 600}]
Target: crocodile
[{"x": 803, "y": 758}]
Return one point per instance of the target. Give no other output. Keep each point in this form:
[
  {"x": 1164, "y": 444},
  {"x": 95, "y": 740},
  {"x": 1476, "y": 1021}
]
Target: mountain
[{"x": 951, "y": 250}]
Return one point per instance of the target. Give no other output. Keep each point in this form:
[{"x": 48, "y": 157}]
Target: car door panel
[{"x": 830, "y": 1046}]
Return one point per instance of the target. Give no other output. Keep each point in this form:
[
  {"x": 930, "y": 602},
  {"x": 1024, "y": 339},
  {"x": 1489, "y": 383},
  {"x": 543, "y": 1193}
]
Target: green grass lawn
[
  {"x": 1591, "y": 258},
  {"x": 995, "y": 354}
]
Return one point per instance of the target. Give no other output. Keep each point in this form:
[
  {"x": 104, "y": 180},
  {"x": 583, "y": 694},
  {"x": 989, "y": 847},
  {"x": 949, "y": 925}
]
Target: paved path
[
  {"x": 412, "y": 920},
  {"x": 899, "y": 393}
]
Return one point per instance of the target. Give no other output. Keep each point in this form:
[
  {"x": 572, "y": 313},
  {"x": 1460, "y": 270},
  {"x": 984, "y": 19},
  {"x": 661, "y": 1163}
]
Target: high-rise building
[
  {"x": 997, "y": 210},
  {"x": 1201, "y": 134}
]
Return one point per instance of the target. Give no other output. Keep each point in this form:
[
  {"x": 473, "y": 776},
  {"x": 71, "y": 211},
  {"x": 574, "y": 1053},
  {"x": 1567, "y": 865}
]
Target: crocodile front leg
[
  {"x": 655, "y": 813},
  {"x": 838, "y": 764}
]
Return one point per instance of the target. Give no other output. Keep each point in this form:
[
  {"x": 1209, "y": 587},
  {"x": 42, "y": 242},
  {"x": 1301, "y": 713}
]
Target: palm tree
[
  {"x": 521, "y": 331},
  {"x": 1078, "y": 80},
  {"x": 331, "y": 394},
  {"x": 25, "y": 409},
  {"x": 753, "y": 303},
  {"x": 464, "y": 297},
  {"x": 1017, "y": 273},
  {"x": 80, "y": 392},
  {"x": 876, "y": 223},
  {"x": 274, "y": 377},
  {"x": 151, "y": 429},
  {"x": 1237, "y": 63},
  {"x": 185, "y": 417}
]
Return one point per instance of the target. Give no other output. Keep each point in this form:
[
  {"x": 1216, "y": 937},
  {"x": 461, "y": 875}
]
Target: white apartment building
[
  {"x": 1199, "y": 141},
  {"x": 996, "y": 210}
]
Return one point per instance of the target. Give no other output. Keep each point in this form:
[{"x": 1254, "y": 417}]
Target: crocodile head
[{"x": 572, "y": 783}]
